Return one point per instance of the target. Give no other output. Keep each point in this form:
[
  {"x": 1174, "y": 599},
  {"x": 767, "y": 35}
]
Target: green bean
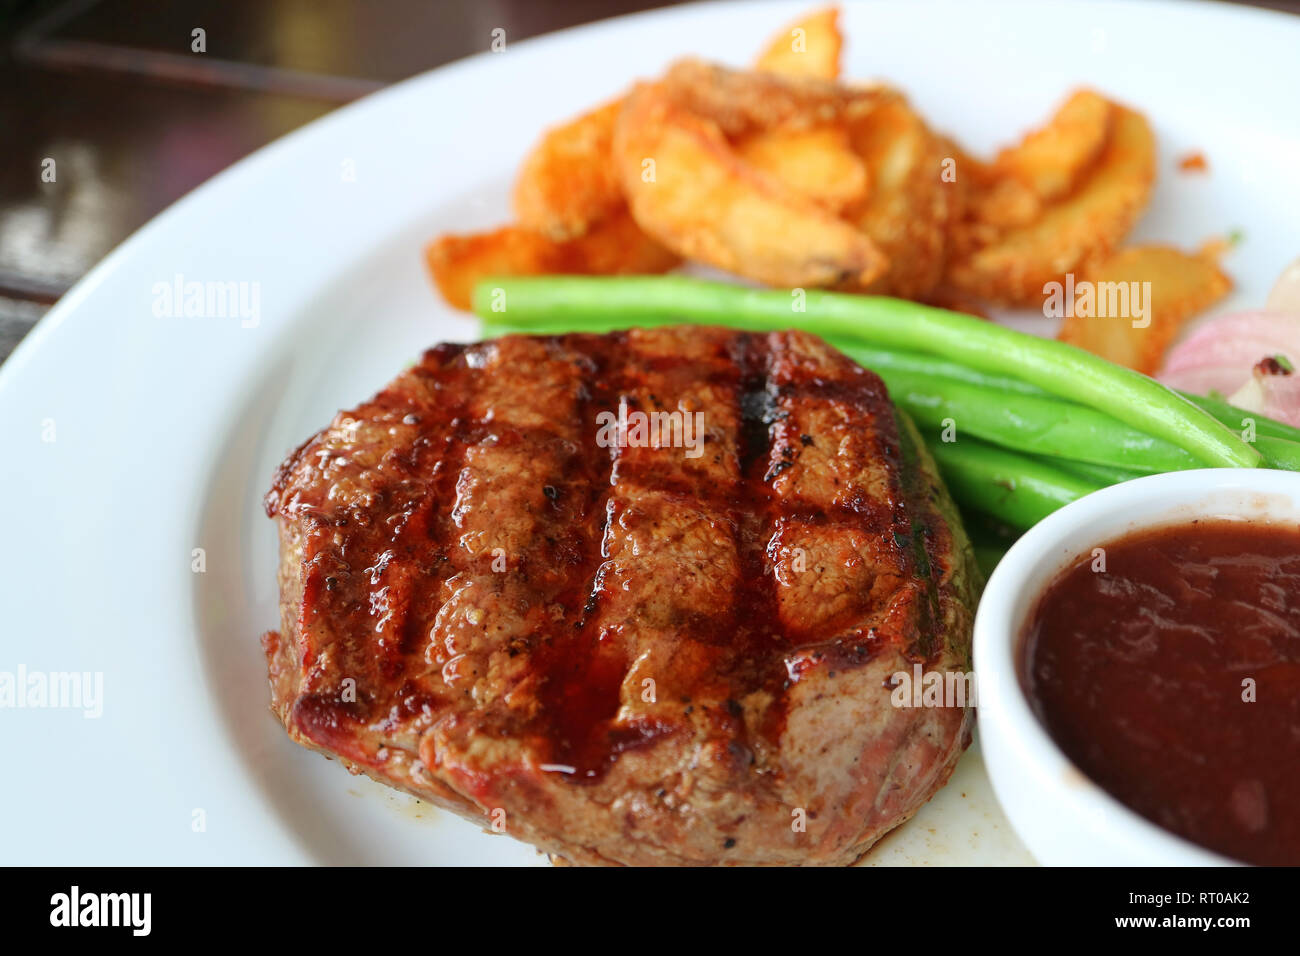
[
  {"x": 881, "y": 361},
  {"x": 1015, "y": 489},
  {"x": 925, "y": 375},
  {"x": 1277, "y": 442},
  {"x": 1279, "y": 453},
  {"x": 1038, "y": 424},
  {"x": 1236, "y": 418},
  {"x": 1032, "y": 424},
  {"x": 584, "y": 304},
  {"x": 1104, "y": 475}
]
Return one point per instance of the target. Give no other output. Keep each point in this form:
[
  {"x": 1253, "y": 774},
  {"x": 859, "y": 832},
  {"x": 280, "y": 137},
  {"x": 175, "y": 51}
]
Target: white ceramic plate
[{"x": 130, "y": 440}]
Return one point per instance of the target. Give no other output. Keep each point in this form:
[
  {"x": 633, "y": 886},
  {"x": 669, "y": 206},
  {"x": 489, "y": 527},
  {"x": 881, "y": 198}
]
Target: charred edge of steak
[{"x": 944, "y": 556}]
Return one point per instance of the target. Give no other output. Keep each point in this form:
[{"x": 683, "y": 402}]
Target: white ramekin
[{"x": 1063, "y": 817}]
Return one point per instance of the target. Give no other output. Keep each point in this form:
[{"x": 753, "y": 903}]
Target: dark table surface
[{"x": 113, "y": 92}]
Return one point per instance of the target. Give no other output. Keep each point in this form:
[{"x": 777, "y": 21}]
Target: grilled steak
[{"x": 635, "y": 598}]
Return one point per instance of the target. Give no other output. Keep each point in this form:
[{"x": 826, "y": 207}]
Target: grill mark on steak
[
  {"x": 505, "y": 513},
  {"x": 642, "y": 492},
  {"x": 363, "y": 570},
  {"x": 758, "y": 411},
  {"x": 755, "y": 523},
  {"x": 438, "y": 452},
  {"x": 794, "y": 552},
  {"x": 581, "y": 672}
]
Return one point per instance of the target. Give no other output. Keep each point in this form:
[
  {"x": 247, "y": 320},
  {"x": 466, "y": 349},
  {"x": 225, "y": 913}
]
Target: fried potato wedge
[
  {"x": 616, "y": 246},
  {"x": 910, "y": 205},
  {"x": 1002, "y": 203},
  {"x": 1051, "y": 160},
  {"x": 809, "y": 47},
  {"x": 818, "y": 164},
  {"x": 688, "y": 189},
  {"x": 1181, "y": 285},
  {"x": 741, "y": 102},
  {"x": 567, "y": 184},
  {"x": 1013, "y": 268},
  {"x": 970, "y": 178},
  {"x": 989, "y": 203}
]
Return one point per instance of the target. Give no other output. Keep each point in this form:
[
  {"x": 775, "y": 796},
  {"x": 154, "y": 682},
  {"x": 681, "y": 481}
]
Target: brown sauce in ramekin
[{"x": 1172, "y": 679}]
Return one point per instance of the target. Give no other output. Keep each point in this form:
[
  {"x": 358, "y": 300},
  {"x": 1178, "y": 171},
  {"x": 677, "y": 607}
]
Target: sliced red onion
[{"x": 1223, "y": 354}]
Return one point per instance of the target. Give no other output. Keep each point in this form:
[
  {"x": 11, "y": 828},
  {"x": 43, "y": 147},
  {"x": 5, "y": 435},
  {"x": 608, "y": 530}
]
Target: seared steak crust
[{"x": 624, "y": 653}]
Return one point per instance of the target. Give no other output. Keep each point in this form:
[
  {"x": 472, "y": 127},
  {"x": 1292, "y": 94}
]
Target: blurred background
[{"x": 139, "y": 101}]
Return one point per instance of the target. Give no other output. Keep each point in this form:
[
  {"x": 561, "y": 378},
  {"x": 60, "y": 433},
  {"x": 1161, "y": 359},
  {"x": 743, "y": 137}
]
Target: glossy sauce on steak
[{"x": 628, "y": 652}]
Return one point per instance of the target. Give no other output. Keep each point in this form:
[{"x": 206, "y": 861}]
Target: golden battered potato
[
  {"x": 742, "y": 102},
  {"x": 1050, "y": 161},
  {"x": 458, "y": 262},
  {"x": 808, "y": 47},
  {"x": 910, "y": 207},
  {"x": 688, "y": 189},
  {"x": 787, "y": 176},
  {"x": 817, "y": 163},
  {"x": 1181, "y": 285},
  {"x": 567, "y": 184},
  {"x": 1013, "y": 268}
]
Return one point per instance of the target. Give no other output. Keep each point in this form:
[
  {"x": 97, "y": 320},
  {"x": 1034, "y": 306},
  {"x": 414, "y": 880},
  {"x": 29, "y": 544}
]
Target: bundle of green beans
[{"x": 1018, "y": 425}]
